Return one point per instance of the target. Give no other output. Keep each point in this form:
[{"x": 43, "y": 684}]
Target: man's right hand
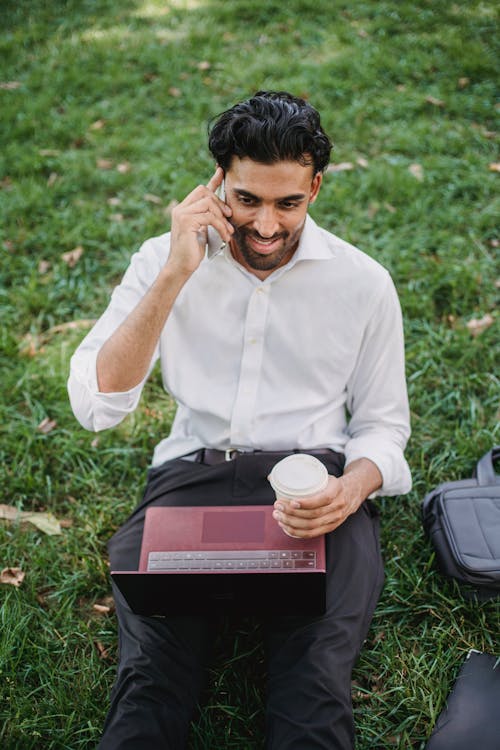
[{"x": 190, "y": 221}]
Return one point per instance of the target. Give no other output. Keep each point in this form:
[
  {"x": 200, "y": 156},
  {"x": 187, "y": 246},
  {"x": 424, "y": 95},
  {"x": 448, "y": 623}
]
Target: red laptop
[{"x": 223, "y": 558}]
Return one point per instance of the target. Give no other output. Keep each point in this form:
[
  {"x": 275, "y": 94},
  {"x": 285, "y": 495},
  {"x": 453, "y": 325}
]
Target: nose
[{"x": 266, "y": 223}]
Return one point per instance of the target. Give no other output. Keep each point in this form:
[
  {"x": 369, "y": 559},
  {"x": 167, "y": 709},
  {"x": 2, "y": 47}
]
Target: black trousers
[{"x": 162, "y": 661}]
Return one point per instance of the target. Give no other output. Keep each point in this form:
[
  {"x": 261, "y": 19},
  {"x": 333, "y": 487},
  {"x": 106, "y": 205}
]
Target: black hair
[{"x": 271, "y": 126}]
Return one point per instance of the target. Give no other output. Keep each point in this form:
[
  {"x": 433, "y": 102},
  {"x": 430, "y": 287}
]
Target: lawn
[{"x": 104, "y": 113}]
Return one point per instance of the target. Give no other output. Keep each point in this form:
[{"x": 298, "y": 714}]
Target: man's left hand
[{"x": 310, "y": 517}]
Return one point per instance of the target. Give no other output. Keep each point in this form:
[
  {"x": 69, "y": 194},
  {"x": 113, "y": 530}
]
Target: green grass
[{"x": 135, "y": 83}]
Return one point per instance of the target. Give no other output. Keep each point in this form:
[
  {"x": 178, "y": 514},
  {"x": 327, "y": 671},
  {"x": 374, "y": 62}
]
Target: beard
[{"x": 265, "y": 261}]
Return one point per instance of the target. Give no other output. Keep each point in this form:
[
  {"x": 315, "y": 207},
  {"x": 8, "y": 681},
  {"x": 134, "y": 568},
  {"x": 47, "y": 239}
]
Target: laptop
[{"x": 223, "y": 559}]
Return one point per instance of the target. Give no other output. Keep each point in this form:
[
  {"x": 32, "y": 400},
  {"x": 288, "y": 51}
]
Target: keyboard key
[{"x": 162, "y": 565}]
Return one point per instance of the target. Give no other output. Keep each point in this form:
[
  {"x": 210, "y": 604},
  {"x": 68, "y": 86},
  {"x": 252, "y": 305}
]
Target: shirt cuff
[
  {"x": 96, "y": 410},
  {"x": 388, "y": 457}
]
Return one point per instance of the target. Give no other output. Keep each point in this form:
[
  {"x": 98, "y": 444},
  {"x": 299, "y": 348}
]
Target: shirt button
[{"x": 252, "y": 341}]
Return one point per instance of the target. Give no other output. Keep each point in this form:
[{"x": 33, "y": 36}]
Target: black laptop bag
[
  {"x": 471, "y": 719},
  {"x": 462, "y": 520}
]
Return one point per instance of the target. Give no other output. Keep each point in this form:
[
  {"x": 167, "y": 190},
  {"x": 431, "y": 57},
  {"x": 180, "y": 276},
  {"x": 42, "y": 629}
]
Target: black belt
[{"x": 212, "y": 456}]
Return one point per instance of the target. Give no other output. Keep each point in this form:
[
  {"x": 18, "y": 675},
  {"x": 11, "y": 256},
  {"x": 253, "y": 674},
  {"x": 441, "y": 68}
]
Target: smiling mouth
[{"x": 265, "y": 245}]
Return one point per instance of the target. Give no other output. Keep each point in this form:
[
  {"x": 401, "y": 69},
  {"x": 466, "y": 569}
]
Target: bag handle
[{"x": 485, "y": 469}]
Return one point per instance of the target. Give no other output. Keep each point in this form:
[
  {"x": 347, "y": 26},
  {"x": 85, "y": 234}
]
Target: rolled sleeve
[
  {"x": 389, "y": 459},
  {"x": 379, "y": 427}
]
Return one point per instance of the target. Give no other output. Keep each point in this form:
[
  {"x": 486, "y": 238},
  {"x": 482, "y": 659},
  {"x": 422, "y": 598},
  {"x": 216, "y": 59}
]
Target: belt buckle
[{"x": 230, "y": 454}]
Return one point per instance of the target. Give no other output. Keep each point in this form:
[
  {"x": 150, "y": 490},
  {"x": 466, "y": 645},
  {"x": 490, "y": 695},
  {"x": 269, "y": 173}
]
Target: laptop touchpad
[{"x": 224, "y": 526}]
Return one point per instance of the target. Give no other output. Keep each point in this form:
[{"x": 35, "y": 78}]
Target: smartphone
[
  {"x": 221, "y": 191},
  {"x": 215, "y": 243}
]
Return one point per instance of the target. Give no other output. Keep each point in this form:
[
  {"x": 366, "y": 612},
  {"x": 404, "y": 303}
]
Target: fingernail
[{"x": 279, "y": 506}]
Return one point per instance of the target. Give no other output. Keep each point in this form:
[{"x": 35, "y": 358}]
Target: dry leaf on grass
[
  {"x": 10, "y": 85},
  {"x": 46, "y": 426},
  {"x": 435, "y": 102},
  {"x": 417, "y": 171},
  {"x": 123, "y": 167},
  {"x": 12, "y": 576},
  {"x": 45, "y": 522},
  {"x": 343, "y": 166},
  {"x": 9, "y": 513},
  {"x": 104, "y": 164},
  {"x": 43, "y": 266},
  {"x": 103, "y": 652},
  {"x": 72, "y": 257},
  {"x": 477, "y": 325},
  {"x": 104, "y": 606},
  {"x": 29, "y": 346},
  {"x": 495, "y": 166},
  {"x": 152, "y": 198},
  {"x": 32, "y": 344},
  {"x": 98, "y": 125},
  {"x": 71, "y": 325}
]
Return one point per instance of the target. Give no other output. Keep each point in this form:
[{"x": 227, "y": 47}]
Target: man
[{"x": 268, "y": 343}]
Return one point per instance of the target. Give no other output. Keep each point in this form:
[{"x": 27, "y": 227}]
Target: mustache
[{"x": 245, "y": 232}]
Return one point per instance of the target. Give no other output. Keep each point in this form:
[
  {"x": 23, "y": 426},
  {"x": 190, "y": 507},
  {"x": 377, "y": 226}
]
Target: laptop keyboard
[{"x": 232, "y": 560}]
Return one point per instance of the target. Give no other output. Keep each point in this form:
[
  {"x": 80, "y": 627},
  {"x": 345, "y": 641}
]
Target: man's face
[{"x": 269, "y": 204}]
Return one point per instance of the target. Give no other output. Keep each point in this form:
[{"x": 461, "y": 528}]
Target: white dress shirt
[{"x": 312, "y": 357}]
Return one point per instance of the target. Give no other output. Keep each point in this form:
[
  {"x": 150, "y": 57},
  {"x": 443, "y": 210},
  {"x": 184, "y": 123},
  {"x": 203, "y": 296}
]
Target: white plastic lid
[{"x": 298, "y": 475}]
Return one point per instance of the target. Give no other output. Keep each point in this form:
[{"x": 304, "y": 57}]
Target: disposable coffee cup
[{"x": 297, "y": 476}]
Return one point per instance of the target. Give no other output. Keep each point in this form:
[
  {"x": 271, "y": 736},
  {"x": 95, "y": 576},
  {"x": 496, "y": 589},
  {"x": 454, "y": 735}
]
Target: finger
[
  {"x": 216, "y": 180},
  {"x": 326, "y": 497},
  {"x": 310, "y": 533},
  {"x": 205, "y": 202},
  {"x": 202, "y": 191},
  {"x": 307, "y": 529},
  {"x": 305, "y": 522},
  {"x": 200, "y": 221}
]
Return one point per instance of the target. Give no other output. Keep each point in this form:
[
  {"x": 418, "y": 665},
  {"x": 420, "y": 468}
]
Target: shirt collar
[{"x": 313, "y": 244}]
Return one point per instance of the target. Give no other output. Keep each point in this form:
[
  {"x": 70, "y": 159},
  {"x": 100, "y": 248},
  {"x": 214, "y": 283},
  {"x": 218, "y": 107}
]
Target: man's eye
[
  {"x": 246, "y": 200},
  {"x": 289, "y": 204}
]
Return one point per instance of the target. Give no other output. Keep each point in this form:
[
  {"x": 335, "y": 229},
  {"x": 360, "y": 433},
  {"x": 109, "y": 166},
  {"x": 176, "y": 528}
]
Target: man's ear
[{"x": 315, "y": 186}]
